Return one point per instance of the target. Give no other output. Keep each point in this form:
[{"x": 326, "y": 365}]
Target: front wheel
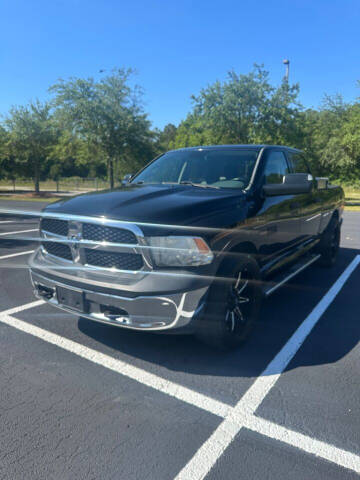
[
  {"x": 330, "y": 243},
  {"x": 233, "y": 305}
]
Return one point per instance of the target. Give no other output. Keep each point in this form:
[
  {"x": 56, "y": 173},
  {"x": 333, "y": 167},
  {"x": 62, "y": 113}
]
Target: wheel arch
[{"x": 231, "y": 255}]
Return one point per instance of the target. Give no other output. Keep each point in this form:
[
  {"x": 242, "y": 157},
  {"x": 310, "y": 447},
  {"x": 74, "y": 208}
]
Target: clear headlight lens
[{"x": 178, "y": 251}]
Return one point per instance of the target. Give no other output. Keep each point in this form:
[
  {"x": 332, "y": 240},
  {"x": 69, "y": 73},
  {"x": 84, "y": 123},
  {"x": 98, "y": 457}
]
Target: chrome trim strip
[
  {"x": 95, "y": 220},
  {"x": 289, "y": 253},
  {"x": 286, "y": 279},
  {"x": 313, "y": 217}
]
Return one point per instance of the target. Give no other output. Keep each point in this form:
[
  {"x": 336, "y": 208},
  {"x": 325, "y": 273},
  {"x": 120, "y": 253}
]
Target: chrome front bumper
[
  {"x": 140, "y": 312},
  {"x": 139, "y": 299}
]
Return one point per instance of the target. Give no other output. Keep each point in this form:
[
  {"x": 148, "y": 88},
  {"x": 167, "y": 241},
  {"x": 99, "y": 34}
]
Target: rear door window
[{"x": 298, "y": 163}]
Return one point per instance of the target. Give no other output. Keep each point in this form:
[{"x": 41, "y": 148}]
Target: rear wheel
[
  {"x": 233, "y": 305},
  {"x": 330, "y": 243}
]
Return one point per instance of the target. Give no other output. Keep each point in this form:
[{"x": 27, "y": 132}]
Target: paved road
[
  {"x": 84, "y": 400},
  {"x": 20, "y": 205}
]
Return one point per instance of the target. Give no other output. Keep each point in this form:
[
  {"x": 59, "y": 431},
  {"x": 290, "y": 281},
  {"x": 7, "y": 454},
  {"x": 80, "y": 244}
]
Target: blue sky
[{"x": 178, "y": 46}]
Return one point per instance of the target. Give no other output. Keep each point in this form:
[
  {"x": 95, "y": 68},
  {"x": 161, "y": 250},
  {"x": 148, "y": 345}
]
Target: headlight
[{"x": 176, "y": 251}]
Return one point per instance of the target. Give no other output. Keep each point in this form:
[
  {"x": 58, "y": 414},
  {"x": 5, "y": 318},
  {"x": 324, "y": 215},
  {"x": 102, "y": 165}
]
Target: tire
[
  {"x": 233, "y": 305},
  {"x": 329, "y": 244}
]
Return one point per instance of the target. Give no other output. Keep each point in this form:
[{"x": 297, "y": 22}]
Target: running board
[{"x": 295, "y": 269}]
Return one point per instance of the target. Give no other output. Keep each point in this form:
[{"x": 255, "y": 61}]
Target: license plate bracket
[{"x": 71, "y": 298}]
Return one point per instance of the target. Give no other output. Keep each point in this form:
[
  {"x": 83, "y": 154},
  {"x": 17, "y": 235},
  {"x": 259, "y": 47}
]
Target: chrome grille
[
  {"x": 56, "y": 226},
  {"x": 102, "y": 233},
  {"x": 58, "y": 249},
  {"x": 118, "y": 260},
  {"x": 109, "y": 244}
]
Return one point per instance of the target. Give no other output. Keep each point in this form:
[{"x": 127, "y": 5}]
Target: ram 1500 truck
[{"x": 191, "y": 243}]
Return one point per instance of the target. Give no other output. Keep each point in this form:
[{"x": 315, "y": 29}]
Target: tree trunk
[
  {"x": 111, "y": 172},
  {"x": 37, "y": 177}
]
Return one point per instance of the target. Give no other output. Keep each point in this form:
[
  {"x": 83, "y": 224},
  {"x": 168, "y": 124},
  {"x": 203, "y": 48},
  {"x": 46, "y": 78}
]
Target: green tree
[
  {"x": 243, "y": 109},
  {"x": 350, "y": 142},
  {"x": 31, "y": 136},
  {"x": 74, "y": 156},
  {"x": 323, "y": 137},
  {"x": 165, "y": 138},
  {"x": 107, "y": 114},
  {"x": 3, "y": 152}
]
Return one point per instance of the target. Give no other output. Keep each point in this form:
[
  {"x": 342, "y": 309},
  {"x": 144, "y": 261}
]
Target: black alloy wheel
[
  {"x": 239, "y": 304},
  {"x": 330, "y": 243},
  {"x": 335, "y": 241},
  {"x": 233, "y": 304}
]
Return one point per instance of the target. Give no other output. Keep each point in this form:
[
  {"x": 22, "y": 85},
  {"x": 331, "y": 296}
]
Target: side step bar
[{"x": 295, "y": 269}]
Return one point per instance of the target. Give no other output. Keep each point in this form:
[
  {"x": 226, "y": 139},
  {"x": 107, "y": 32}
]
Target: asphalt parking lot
[{"x": 85, "y": 400}]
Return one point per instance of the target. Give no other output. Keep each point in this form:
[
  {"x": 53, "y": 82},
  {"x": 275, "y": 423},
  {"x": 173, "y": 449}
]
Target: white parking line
[
  {"x": 20, "y": 231},
  {"x": 142, "y": 376},
  {"x": 307, "y": 444},
  {"x": 16, "y": 254},
  {"x": 208, "y": 454},
  {"x": 21, "y": 308},
  {"x": 234, "y": 418}
]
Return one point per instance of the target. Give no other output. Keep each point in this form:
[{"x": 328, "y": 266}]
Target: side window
[
  {"x": 276, "y": 167},
  {"x": 299, "y": 163}
]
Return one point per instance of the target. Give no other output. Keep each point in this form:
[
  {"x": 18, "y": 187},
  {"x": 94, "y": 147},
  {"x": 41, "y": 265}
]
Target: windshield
[{"x": 218, "y": 168}]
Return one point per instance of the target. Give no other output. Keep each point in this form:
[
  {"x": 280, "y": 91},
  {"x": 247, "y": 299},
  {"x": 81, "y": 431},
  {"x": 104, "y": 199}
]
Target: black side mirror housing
[
  {"x": 293, "y": 183},
  {"x": 126, "y": 178}
]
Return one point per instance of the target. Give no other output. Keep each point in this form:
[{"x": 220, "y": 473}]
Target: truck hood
[{"x": 157, "y": 204}]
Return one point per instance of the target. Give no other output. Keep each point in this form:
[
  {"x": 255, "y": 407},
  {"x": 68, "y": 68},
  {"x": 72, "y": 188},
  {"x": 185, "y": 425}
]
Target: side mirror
[
  {"x": 126, "y": 178},
  {"x": 293, "y": 183}
]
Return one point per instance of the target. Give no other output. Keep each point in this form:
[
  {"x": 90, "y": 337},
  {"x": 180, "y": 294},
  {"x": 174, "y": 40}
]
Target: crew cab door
[
  {"x": 280, "y": 213},
  {"x": 310, "y": 204}
]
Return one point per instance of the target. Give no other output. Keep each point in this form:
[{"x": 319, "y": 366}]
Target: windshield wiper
[{"x": 186, "y": 182}]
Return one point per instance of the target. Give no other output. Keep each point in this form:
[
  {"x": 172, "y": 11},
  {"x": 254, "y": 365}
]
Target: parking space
[
  {"x": 61, "y": 419},
  {"x": 18, "y": 234},
  {"x": 18, "y": 231},
  {"x": 319, "y": 392},
  {"x": 81, "y": 399},
  {"x": 255, "y": 456}
]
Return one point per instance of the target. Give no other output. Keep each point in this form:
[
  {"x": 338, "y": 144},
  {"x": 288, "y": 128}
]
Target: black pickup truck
[{"x": 191, "y": 243}]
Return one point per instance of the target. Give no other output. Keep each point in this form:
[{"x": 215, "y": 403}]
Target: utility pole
[{"x": 286, "y": 62}]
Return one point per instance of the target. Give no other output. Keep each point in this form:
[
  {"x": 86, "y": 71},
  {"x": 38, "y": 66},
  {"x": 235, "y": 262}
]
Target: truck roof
[{"x": 251, "y": 146}]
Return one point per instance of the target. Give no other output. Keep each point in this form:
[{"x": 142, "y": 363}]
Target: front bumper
[{"x": 171, "y": 311}]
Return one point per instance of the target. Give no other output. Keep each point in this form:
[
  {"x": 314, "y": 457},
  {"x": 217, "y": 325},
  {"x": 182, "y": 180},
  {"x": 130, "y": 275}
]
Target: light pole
[{"x": 287, "y": 63}]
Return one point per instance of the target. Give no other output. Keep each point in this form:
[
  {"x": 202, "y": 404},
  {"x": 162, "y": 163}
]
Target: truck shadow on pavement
[{"x": 336, "y": 334}]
